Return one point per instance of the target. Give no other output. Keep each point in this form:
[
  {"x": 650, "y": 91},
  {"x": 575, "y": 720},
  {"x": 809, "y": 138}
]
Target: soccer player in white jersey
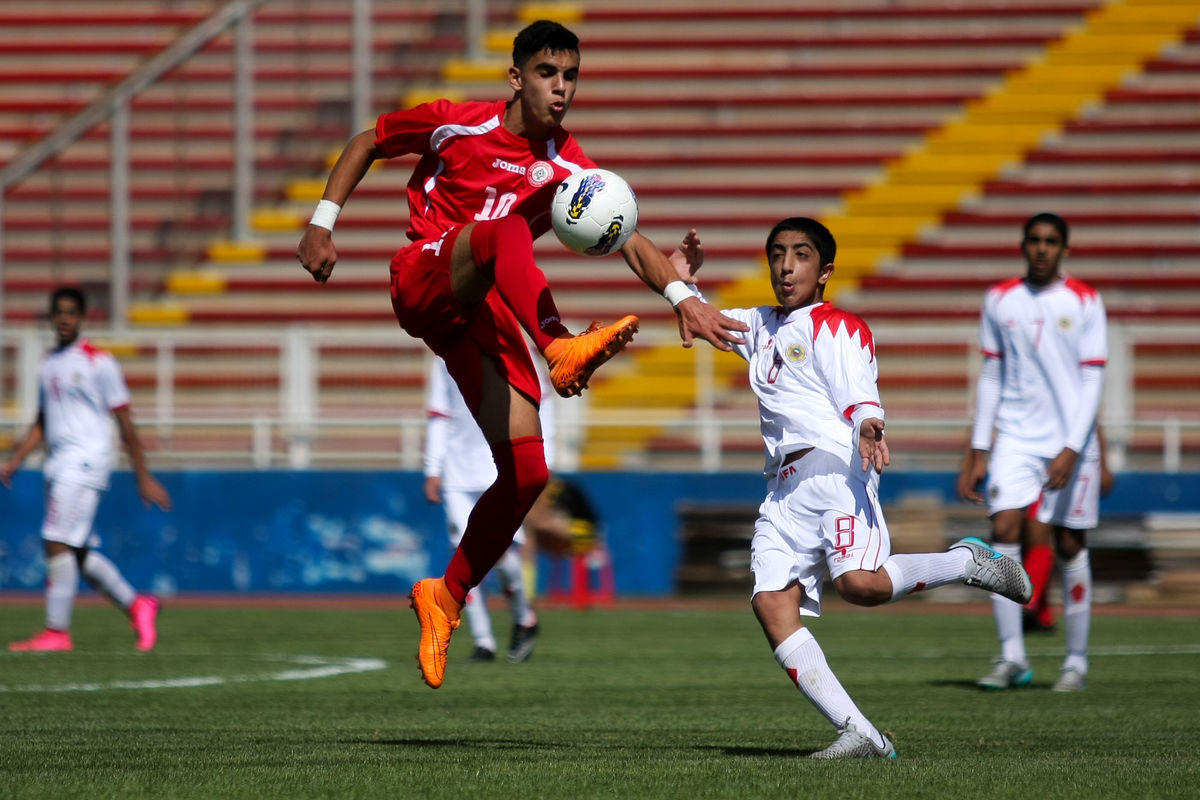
[
  {"x": 813, "y": 369},
  {"x": 81, "y": 389},
  {"x": 1044, "y": 342},
  {"x": 458, "y": 470}
]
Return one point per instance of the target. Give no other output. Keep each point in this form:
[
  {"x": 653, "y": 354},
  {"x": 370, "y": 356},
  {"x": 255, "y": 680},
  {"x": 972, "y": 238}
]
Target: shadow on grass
[
  {"x": 485, "y": 744},
  {"x": 755, "y": 752},
  {"x": 967, "y": 685},
  {"x": 503, "y": 744}
]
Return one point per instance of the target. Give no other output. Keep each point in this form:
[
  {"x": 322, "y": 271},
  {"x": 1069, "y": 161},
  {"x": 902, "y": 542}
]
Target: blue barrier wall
[{"x": 374, "y": 532}]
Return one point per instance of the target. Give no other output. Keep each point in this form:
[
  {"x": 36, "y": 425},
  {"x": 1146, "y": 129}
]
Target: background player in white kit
[
  {"x": 1044, "y": 341},
  {"x": 813, "y": 369},
  {"x": 458, "y": 470},
  {"x": 81, "y": 389}
]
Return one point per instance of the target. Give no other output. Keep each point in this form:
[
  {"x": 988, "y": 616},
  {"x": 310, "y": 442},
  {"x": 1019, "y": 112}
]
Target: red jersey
[{"x": 472, "y": 168}]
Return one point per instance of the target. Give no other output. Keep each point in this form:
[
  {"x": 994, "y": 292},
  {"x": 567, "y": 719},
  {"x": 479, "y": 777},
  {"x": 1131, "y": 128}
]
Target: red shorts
[{"x": 426, "y": 308}]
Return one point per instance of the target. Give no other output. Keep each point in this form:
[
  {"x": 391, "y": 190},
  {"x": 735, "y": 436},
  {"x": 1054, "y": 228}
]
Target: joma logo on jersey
[
  {"x": 583, "y": 196},
  {"x": 515, "y": 169},
  {"x": 605, "y": 242}
]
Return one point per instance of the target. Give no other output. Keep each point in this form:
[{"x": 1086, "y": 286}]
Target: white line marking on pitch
[
  {"x": 316, "y": 667},
  {"x": 1132, "y": 650}
]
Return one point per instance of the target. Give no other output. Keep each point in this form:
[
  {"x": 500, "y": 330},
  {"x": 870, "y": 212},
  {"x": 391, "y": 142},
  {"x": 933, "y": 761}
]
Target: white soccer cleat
[
  {"x": 1006, "y": 675},
  {"x": 1070, "y": 680},
  {"x": 994, "y": 572},
  {"x": 852, "y": 744}
]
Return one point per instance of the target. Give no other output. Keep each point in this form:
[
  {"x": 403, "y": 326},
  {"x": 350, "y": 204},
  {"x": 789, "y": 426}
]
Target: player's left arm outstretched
[{"x": 696, "y": 318}]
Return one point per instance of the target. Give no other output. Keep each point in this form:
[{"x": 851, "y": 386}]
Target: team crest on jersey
[
  {"x": 539, "y": 174},
  {"x": 797, "y": 353},
  {"x": 1064, "y": 323}
]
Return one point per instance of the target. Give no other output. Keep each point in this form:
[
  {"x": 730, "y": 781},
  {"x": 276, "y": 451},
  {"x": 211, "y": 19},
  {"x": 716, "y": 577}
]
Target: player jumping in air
[{"x": 467, "y": 284}]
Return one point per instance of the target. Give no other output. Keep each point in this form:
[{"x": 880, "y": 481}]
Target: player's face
[
  {"x": 797, "y": 274},
  {"x": 545, "y": 87},
  {"x": 66, "y": 317},
  {"x": 1044, "y": 250}
]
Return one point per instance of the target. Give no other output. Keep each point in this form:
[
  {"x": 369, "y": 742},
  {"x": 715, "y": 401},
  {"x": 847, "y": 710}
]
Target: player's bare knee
[
  {"x": 863, "y": 588},
  {"x": 1007, "y": 525},
  {"x": 1069, "y": 543},
  {"x": 768, "y": 606}
]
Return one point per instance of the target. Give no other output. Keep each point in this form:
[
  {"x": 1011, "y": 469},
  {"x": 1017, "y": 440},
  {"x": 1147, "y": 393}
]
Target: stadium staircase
[{"x": 923, "y": 132}]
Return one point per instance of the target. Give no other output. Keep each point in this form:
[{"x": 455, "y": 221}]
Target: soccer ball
[{"x": 594, "y": 212}]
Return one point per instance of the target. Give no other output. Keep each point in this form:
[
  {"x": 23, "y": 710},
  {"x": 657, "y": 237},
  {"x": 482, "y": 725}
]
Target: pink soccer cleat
[
  {"x": 143, "y": 615},
  {"x": 47, "y": 641}
]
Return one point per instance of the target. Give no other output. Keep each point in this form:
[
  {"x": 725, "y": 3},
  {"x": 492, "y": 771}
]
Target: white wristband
[
  {"x": 325, "y": 215},
  {"x": 678, "y": 291}
]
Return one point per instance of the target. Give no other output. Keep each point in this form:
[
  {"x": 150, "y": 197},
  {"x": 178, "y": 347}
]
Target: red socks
[
  {"x": 1039, "y": 563},
  {"x": 503, "y": 250},
  {"x": 522, "y": 474}
]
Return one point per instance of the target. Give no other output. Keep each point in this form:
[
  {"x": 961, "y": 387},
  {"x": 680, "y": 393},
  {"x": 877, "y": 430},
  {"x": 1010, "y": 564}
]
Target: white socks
[
  {"x": 915, "y": 572},
  {"x": 62, "y": 584},
  {"x": 1077, "y": 609},
  {"x": 105, "y": 577},
  {"x": 804, "y": 662},
  {"x": 1008, "y": 615},
  {"x": 510, "y": 570},
  {"x": 479, "y": 620}
]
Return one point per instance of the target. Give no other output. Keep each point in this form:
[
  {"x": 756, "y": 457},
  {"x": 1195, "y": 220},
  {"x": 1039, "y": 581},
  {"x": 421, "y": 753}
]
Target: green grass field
[{"x": 297, "y": 703}]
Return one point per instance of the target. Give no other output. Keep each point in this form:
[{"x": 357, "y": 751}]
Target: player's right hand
[
  {"x": 316, "y": 252},
  {"x": 433, "y": 489},
  {"x": 697, "y": 318},
  {"x": 6, "y": 472}
]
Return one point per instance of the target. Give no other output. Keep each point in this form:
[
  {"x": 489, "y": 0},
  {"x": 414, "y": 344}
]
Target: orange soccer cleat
[
  {"x": 45, "y": 642},
  {"x": 573, "y": 359},
  {"x": 438, "y": 614}
]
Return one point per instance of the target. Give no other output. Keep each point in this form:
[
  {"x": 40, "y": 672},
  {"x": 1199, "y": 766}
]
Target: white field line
[
  {"x": 315, "y": 667},
  {"x": 1131, "y": 650}
]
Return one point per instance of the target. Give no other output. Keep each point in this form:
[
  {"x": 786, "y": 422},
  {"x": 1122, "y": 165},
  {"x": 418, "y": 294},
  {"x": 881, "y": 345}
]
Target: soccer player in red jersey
[{"x": 468, "y": 284}]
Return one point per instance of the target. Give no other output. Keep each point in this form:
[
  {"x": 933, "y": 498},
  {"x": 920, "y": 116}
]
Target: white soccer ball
[{"x": 594, "y": 212}]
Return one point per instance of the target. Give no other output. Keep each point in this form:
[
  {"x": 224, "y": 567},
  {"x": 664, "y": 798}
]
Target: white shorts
[
  {"x": 818, "y": 518},
  {"x": 1017, "y": 480},
  {"x": 70, "y": 513},
  {"x": 458, "y": 504}
]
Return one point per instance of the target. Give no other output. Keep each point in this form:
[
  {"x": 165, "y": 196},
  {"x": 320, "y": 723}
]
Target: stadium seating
[{"x": 723, "y": 118}]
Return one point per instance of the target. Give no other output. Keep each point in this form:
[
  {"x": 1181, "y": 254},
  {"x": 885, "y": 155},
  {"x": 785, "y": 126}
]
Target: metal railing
[{"x": 274, "y": 413}]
